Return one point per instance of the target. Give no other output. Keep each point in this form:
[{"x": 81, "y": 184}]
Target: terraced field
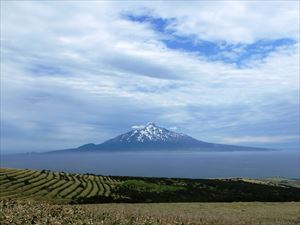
[{"x": 53, "y": 186}]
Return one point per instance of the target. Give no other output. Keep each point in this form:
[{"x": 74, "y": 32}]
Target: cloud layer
[{"x": 73, "y": 73}]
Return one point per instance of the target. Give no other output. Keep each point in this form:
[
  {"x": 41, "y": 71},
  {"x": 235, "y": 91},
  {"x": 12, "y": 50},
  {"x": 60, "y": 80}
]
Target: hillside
[{"x": 88, "y": 188}]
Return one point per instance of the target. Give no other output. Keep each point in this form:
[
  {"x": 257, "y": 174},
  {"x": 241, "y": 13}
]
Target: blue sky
[{"x": 75, "y": 73}]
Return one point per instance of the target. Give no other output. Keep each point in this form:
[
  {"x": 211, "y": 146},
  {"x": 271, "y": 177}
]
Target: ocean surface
[{"x": 166, "y": 164}]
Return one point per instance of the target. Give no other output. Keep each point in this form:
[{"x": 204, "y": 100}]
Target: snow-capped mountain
[
  {"x": 151, "y": 133},
  {"x": 155, "y": 138},
  {"x": 152, "y": 137}
]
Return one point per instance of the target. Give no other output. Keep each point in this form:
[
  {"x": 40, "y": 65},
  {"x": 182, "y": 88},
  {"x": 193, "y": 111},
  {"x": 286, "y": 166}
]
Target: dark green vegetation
[
  {"x": 87, "y": 188},
  {"x": 25, "y": 212}
]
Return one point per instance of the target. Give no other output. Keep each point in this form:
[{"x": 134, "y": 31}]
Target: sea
[{"x": 258, "y": 164}]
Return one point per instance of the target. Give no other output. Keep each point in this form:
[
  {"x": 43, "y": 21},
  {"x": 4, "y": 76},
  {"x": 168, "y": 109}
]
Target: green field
[{"x": 59, "y": 187}]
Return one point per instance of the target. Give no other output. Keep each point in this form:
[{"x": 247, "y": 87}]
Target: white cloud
[
  {"x": 173, "y": 128},
  {"x": 137, "y": 127},
  {"x": 260, "y": 139}
]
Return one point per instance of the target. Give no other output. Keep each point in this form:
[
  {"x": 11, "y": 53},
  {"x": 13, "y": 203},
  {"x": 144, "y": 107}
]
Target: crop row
[{"x": 16, "y": 183}]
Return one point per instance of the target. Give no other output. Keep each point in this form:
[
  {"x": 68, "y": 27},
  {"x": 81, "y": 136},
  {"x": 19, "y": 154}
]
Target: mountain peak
[
  {"x": 150, "y": 124},
  {"x": 149, "y": 133},
  {"x": 151, "y": 136}
]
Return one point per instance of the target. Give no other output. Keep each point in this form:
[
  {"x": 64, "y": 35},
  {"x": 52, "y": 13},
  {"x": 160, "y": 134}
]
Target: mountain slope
[{"x": 152, "y": 137}]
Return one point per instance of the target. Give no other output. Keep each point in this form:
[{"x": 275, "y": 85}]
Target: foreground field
[
  {"x": 59, "y": 187},
  {"x": 30, "y": 212}
]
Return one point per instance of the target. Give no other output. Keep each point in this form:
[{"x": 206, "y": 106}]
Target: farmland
[
  {"x": 52, "y": 186},
  {"x": 60, "y": 187}
]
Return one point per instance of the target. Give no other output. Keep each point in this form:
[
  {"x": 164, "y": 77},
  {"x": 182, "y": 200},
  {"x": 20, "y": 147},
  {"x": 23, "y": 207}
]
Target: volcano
[{"x": 155, "y": 138}]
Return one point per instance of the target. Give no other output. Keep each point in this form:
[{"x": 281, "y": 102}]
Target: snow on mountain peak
[{"x": 150, "y": 133}]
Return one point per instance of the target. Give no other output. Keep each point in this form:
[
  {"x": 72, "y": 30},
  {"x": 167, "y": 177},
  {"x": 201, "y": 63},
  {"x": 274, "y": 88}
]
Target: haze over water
[{"x": 166, "y": 164}]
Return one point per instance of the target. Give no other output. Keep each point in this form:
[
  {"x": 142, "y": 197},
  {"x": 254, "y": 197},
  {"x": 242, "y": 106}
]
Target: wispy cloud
[
  {"x": 260, "y": 139},
  {"x": 137, "y": 126}
]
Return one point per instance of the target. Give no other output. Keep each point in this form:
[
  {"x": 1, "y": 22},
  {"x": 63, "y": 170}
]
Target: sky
[{"x": 77, "y": 72}]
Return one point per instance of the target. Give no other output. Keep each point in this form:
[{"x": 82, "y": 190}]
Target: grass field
[
  {"x": 59, "y": 187},
  {"x": 25, "y": 212}
]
